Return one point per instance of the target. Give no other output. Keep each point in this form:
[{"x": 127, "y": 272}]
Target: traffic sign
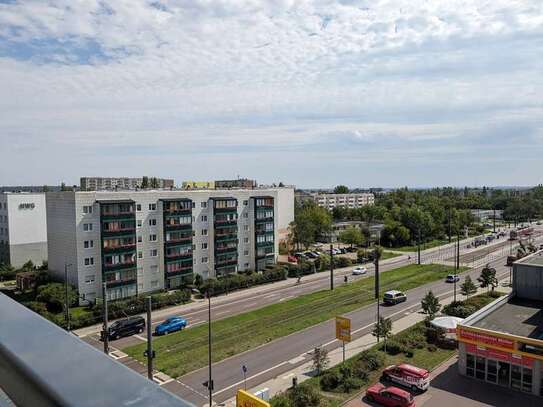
[{"x": 343, "y": 329}]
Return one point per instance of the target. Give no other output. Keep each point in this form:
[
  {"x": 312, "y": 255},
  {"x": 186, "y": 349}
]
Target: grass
[
  {"x": 183, "y": 352},
  {"x": 389, "y": 255},
  {"x": 423, "y": 246}
]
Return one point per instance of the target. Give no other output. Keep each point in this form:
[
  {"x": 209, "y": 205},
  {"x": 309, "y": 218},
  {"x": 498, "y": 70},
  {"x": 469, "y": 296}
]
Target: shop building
[{"x": 503, "y": 342}]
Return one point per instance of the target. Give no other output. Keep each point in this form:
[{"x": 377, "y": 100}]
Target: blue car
[{"x": 172, "y": 324}]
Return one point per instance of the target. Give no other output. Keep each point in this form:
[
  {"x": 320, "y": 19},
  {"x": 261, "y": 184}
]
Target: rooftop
[
  {"x": 535, "y": 259},
  {"x": 517, "y": 316}
]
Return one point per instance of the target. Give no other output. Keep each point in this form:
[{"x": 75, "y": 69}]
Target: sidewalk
[{"x": 304, "y": 372}]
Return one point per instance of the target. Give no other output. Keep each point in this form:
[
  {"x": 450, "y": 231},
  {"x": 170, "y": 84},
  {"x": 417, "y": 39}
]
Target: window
[
  {"x": 245, "y": 240},
  {"x": 154, "y": 284},
  {"x": 140, "y": 223},
  {"x": 87, "y": 209},
  {"x": 140, "y": 255},
  {"x": 154, "y": 269},
  {"x": 245, "y": 203},
  {"x": 204, "y": 218},
  {"x": 193, "y": 204},
  {"x": 204, "y": 259},
  {"x": 153, "y": 253},
  {"x": 245, "y": 227},
  {"x": 87, "y": 227},
  {"x": 246, "y": 265},
  {"x": 152, "y": 238},
  {"x": 204, "y": 246},
  {"x": 480, "y": 365},
  {"x": 138, "y": 207},
  {"x": 89, "y": 261},
  {"x": 246, "y": 252},
  {"x": 89, "y": 279},
  {"x": 140, "y": 239},
  {"x": 203, "y": 204},
  {"x": 152, "y": 222},
  {"x": 88, "y": 244},
  {"x": 246, "y": 215},
  {"x": 204, "y": 232},
  {"x": 140, "y": 271},
  {"x": 152, "y": 206}
]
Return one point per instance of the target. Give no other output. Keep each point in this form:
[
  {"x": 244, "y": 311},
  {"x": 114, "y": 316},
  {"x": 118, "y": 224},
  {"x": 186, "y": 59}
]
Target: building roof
[
  {"x": 114, "y": 201},
  {"x": 516, "y": 316},
  {"x": 535, "y": 259}
]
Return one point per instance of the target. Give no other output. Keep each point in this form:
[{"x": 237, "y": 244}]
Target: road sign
[
  {"x": 244, "y": 369},
  {"x": 343, "y": 329},
  {"x": 244, "y": 399}
]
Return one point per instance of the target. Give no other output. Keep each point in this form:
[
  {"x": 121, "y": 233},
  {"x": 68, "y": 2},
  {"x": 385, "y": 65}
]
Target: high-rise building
[
  {"x": 23, "y": 230},
  {"x": 331, "y": 201},
  {"x": 115, "y": 183},
  {"x": 143, "y": 241}
]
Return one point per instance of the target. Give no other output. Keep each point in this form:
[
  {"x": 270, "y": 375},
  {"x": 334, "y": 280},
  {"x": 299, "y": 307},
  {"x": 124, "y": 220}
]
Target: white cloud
[{"x": 268, "y": 75}]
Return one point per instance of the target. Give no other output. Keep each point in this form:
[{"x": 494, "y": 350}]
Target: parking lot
[{"x": 449, "y": 389}]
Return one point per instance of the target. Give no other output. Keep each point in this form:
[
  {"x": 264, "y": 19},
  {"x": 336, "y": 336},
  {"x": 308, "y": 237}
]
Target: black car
[{"x": 126, "y": 327}]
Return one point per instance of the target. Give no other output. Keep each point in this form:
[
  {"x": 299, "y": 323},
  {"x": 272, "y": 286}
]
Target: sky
[{"x": 312, "y": 93}]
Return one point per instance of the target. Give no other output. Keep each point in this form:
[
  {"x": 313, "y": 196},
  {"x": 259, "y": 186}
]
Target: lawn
[
  {"x": 423, "y": 246},
  {"x": 389, "y": 255},
  {"x": 185, "y": 351}
]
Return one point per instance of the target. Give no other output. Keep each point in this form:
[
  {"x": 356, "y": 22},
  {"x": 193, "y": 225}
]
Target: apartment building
[
  {"x": 144, "y": 241},
  {"x": 23, "y": 230},
  {"x": 112, "y": 183},
  {"x": 354, "y": 200},
  {"x": 198, "y": 185},
  {"x": 241, "y": 183}
]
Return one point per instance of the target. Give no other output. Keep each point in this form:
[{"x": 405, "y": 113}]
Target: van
[
  {"x": 394, "y": 297},
  {"x": 125, "y": 327},
  {"x": 415, "y": 378}
]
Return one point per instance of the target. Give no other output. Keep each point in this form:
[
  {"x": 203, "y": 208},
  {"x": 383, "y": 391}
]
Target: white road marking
[{"x": 141, "y": 338}]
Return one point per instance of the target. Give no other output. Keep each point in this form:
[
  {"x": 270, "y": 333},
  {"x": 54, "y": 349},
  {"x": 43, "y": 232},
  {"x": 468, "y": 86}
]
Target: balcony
[
  {"x": 178, "y": 226},
  {"x": 264, "y": 219},
  {"x": 31, "y": 348},
  {"x": 226, "y": 238},
  {"x": 225, "y": 223},
  {"x": 119, "y": 248},
  {"x": 171, "y": 242},
  {"x": 263, "y": 244},
  {"x": 178, "y": 256},
  {"x": 119, "y": 266},
  {"x": 180, "y": 272},
  {"x": 122, "y": 281},
  {"x": 118, "y": 215},
  {"x": 229, "y": 262},
  {"x": 226, "y": 249},
  {"x": 113, "y": 232}
]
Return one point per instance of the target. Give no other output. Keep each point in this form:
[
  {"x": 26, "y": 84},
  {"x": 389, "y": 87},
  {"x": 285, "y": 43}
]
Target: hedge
[{"x": 234, "y": 282}]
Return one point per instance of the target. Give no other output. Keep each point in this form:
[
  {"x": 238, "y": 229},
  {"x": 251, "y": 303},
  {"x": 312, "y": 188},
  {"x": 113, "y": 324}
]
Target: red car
[
  {"x": 389, "y": 396},
  {"x": 292, "y": 259}
]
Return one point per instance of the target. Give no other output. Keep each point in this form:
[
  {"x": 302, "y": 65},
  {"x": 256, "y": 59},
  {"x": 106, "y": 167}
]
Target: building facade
[
  {"x": 331, "y": 201},
  {"x": 240, "y": 183},
  {"x": 144, "y": 241},
  {"x": 23, "y": 230},
  {"x": 503, "y": 342},
  {"x": 198, "y": 185},
  {"x": 112, "y": 183}
]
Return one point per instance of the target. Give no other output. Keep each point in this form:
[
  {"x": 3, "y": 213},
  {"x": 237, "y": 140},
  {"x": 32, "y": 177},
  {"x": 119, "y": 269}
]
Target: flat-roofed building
[
  {"x": 502, "y": 343},
  {"x": 198, "y": 185},
  {"x": 116, "y": 183}
]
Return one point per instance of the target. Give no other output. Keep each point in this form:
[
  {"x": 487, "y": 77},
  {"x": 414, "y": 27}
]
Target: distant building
[
  {"x": 198, "y": 185},
  {"x": 148, "y": 240},
  {"x": 374, "y": 230},
  {"x": 331, "y": 201},
  {"x": 112, "y": 183},
  {"x": 23, "y": 228},
  {"x": 240, "y": 183},
  {"x": 502, "y": 343}
]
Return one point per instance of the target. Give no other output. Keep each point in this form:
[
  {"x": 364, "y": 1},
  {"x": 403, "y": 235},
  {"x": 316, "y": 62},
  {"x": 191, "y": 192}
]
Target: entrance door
[
  {"x": 503, "y": 373},
  {"x": 491, "y": 371}
]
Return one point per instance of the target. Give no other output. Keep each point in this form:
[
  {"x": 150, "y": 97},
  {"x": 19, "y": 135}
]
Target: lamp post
[
  {"x": 66, "y": 299},
  {"x": 376, "y": 264},
  {"x": 209, "y": 382}
]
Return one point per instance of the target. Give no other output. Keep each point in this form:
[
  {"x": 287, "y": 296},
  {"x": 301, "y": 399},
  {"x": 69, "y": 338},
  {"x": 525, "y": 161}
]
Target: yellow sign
[
  {"x": 343, "y": 329},
  {"x": 244, "y": 399}
]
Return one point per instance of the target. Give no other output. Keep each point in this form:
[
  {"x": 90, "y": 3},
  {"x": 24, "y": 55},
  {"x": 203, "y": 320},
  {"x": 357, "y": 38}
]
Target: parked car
[
  {"x": 125, "y": 327},
  {"x": 299, "y": 256},
  {"x": 343, "y": 250},
  {"x": 415, "y": 378},
  {"x": 172, "y": 324},
  {"x": 311, "y": 255},
  {"x": 292, "y": 259},
  {"x": 389, "y": 396},
  {"x": 351, "y": 249},
  {"x": 394, "y": 297},
  {"x": 451, "y": 278},
  {"x": 360, "y": 270}
]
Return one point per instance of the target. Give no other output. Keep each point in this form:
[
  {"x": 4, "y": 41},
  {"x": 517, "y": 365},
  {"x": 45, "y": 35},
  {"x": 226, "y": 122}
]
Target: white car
[{"x": 359, "y": 271}]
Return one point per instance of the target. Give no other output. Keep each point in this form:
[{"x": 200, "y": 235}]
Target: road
[{"x": 284, "y": 354}]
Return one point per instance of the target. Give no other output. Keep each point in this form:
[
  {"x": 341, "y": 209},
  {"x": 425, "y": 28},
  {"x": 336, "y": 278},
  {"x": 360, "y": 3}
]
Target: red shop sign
[
  {"x": 486, "y": 339},
  {"x": 499, "y": 355}
]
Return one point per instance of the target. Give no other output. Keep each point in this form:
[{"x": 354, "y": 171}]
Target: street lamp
[
  {"x": 209, "y": 382},
  {"x": 66, "y": 299}
]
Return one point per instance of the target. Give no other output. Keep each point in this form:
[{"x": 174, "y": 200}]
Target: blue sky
[{"x": 312, "y": 93}]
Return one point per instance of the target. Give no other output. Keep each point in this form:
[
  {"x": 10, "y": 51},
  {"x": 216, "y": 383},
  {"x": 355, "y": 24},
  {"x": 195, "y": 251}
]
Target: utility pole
[
  {"x": 418, "y": 247},
  {"x": 332, "y": 267},
  {"x": 210, "y": 380},
  {"x": 450, "y": 233},
  {"x": 494, "y": 216},
  {"x": 66, "y": 299},
  {"x": 149, "y": 352},
  {"x": 457, "y": 252},
  {"x": 376, "y": 264},
  {"x": 104, "y": 310}
]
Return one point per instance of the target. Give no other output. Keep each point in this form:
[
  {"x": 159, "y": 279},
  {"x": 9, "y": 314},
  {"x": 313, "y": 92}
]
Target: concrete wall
[{"x": 528, "y": 281}]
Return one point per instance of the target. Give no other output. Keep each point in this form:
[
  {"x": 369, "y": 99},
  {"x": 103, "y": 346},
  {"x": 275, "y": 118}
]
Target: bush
[
  {"x": 434, "y": 335},
  {"x": 413, "y": 339},
  {"x": 280, "y": 400},
  {"x": 304, "y": 268},
  {"x": 459, "y": 309},
  {"x": 342, "y": 262},
  {"x": 371, "y": 359},
  {"x": 234, "y": 282},
  {"x": 304, "y": 396},
  {"x": 393, "y": 347},
  {"x": 329, "y": 380},
  {"x": 53, "y": 295},
  {"x": 431, "y": 348}
]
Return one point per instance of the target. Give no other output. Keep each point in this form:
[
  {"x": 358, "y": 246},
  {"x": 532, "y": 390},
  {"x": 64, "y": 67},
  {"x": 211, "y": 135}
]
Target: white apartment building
[
  {"x": 112, "y": 183},
  {"x": 144, "y": 241},
  {"x": 354, "y": 200},
  {"x": 23, "y": 230}
]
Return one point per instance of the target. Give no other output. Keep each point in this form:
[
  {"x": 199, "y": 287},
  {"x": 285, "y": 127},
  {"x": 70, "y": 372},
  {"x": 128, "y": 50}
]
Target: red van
[
  {"x": 389, "y": 396},
  {"x": 410, "y": 376}
]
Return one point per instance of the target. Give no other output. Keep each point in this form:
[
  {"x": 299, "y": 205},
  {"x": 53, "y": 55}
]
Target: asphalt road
[{"x": 284, "y": 354}]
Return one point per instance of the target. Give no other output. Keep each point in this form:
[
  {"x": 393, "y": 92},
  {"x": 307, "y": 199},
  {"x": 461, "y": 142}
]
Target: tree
[
  {"x": 352, "y": 236},
  {"x": 430, "y": 305},
  {"x": 320, "y": 359},
  {"x": 383, "y": 329},
  {"x": 341, "y": 189},
  {"x": 145, "y": 182},
  {"x": 154, "y": 183},
  {"x": 467, "y": 288},
  {"x": 198, "y": 281},
  {"x": 53, "y": 295},
  {"x": 488, "y": 278},
  {"x": 304, "y": 396}
]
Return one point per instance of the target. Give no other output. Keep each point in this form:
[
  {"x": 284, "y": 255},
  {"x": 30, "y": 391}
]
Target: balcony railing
[
  {"x": 43, "y": 365},
  {"x": 226, "y": 249},
  {"x": 178, "y": 255},
  {"x": 187, "y": 239},
  {"x": 110, "y": 232},
  {"x": 177, "y": 226},
  {"x": 122, "y": 281},
  {"x": 119, "y": 266},
  {"x": 123, "y": 247}
]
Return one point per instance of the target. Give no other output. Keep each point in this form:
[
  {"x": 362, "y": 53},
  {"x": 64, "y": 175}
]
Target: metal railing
[{"x": 43, "y": 365}]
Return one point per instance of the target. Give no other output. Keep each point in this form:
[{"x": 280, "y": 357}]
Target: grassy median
[{"x": 185, "y": 351}]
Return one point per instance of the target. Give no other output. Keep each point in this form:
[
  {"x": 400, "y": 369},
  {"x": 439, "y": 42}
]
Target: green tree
[
  {"x": 430, "y": 305},
  {"x": 341, "y": 189},
  {"x": 145, "y": 182},
  {"x": 351, "y": 236},
  {"x": 320, "y": 359},
  {"x": 488, "y": 278},
  {"x": 154, "y": 183},
  {"x": 467, "y": 288},
  {"x": 383, "y": 329},
  {"x": 304, "y": 396},
  {"x": 53, "y": 295}
]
